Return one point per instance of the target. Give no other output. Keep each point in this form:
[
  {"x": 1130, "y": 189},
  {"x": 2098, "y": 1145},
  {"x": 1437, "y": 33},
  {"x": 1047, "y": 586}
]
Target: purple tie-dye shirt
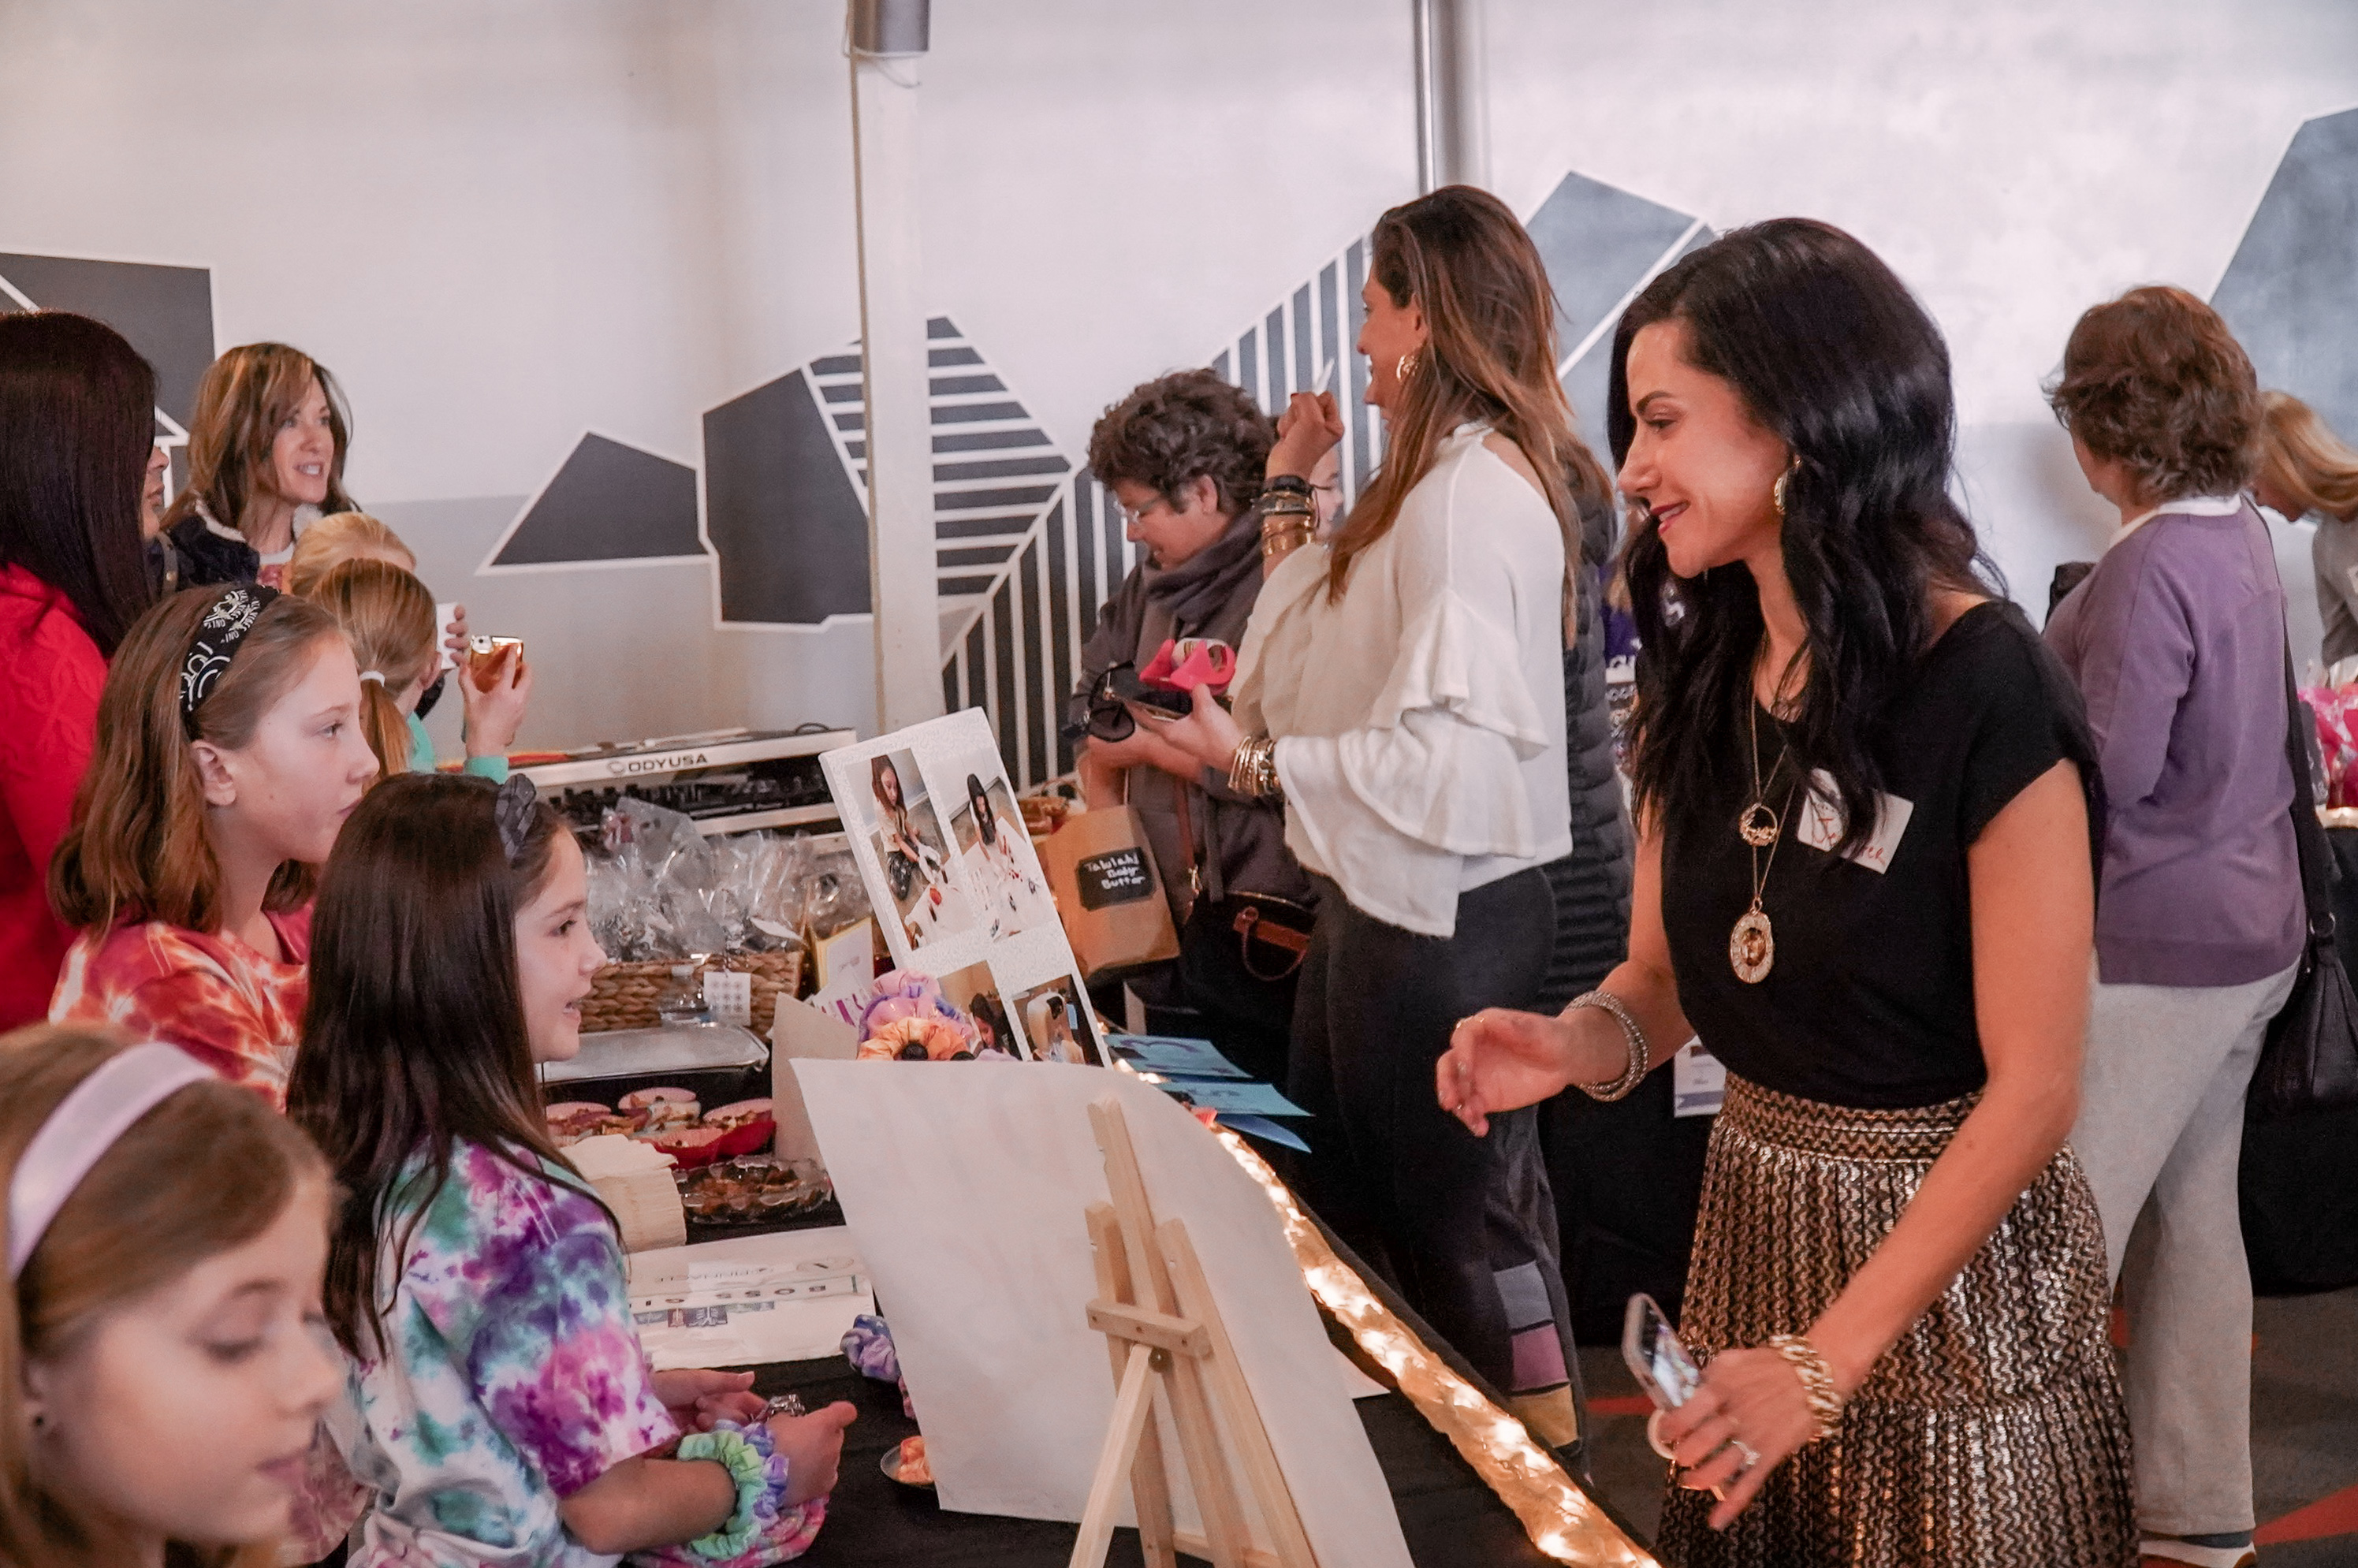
[{"x": 512, "y": 1378}]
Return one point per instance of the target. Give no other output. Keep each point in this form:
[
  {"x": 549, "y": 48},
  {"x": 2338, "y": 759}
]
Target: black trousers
[{"x": 1463, "y": 1226}]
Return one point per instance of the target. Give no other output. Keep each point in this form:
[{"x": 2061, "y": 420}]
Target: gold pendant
[
  {"x": 1758, "y": 825},
  {"x": 1752, "y": 946}
]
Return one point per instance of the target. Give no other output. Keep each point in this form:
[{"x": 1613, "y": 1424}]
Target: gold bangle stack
[
  {"x": 1633, "y": 1071},
  {"x": 1253, "y": 770},
  {"x": 1817, "y": 1381},
  {"x": 1288, "y": 518}
]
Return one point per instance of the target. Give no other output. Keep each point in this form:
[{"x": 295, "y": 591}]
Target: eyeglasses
[{"x": 1131, "y": 518}]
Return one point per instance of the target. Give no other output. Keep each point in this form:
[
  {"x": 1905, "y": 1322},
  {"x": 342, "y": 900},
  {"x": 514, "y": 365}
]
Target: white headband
[{"x": 85, "y": 1125}]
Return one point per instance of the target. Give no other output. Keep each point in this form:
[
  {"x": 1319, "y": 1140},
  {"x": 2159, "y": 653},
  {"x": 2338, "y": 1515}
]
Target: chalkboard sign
[{"x": 1121, "y": 876}]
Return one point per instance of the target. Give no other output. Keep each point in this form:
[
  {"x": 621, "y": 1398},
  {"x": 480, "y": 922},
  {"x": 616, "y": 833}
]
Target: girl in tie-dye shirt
[{"x": 500, "y": 1409}]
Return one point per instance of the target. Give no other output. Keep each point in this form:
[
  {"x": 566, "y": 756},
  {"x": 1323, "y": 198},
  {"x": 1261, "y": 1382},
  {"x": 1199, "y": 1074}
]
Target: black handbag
[
  {"x": 2308, "y": 1063},
  {"x": 2297, "y": 1178}
]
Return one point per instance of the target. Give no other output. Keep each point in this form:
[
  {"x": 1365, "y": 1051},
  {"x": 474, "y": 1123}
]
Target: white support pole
[
  {"x": 888, "y": 39},
  {"x": 1452, "y": 93}
]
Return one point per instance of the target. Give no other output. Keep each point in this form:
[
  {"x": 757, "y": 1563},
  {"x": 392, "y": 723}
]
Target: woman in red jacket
[{"x": 80, "y": 473}]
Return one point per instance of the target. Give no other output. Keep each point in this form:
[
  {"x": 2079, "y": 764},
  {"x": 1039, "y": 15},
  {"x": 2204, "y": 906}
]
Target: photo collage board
[{"x": 958, "y": 892}]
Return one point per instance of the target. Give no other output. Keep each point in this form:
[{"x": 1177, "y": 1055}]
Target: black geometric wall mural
[
  {"x": 166, "y": 312},
  {"x": 2291, "y": 293},
  {"x": 609, "y": 501},
  {"x": 1028, "y": 546},
  {"x": 1601, "y": 245},
  {"x": 789, "y": 524}
]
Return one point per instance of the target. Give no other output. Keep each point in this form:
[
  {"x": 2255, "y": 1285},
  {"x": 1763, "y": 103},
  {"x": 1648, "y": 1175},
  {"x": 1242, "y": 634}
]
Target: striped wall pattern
[{"x": 1028, "y": 545}]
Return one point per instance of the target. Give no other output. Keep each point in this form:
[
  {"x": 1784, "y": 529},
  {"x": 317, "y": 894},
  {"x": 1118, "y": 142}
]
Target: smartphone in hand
[{"x": 1658, "y": 1360}]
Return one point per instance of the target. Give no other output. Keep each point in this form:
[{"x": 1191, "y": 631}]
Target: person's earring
[
  {"x": 1405, "y": 368},
  {"x": 1777, "y": 494}
]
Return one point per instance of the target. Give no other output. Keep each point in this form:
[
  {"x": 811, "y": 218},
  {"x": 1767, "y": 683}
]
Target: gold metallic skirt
[{"x": 1992, "y": 1434}]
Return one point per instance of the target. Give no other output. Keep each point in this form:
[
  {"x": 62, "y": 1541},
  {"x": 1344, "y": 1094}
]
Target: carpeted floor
[{"x": 2304, "y": 1432}]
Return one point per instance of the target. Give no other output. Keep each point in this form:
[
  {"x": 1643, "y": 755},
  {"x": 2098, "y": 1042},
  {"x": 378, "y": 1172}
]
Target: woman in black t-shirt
[{"x": 1869, "y": 800}]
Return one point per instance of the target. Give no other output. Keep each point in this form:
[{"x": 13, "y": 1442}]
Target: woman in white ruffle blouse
[{"x": 1402, "y": 687}]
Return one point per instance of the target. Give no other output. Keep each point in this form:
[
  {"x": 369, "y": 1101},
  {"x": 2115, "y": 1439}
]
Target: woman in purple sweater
[{"x": 2176, "y": 639}]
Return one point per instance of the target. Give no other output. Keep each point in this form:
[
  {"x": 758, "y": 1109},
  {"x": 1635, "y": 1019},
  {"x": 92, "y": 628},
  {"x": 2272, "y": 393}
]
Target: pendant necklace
[{"x": 1752, "y": 944}]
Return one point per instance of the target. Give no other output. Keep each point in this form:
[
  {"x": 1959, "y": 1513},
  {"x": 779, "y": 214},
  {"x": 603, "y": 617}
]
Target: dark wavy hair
[
  {"x": 77, "y": 424},
  {"x": 1831, "y": 352},
  {"x": 1181, "y": 427},
  {"x": 2156, "y": 381},
  {"x": 413, "y": 1036}
]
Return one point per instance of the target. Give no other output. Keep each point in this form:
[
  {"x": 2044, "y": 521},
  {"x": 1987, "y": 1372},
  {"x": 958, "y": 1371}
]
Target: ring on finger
[
  {"x": 1751, "y": 1454},
  {"x": 1654, "y": 1437}
]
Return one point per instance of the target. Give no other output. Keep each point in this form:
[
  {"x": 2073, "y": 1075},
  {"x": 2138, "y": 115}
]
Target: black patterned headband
[
  {"x": 232, "y": 615},
  {"x": 512, "y": 810}
]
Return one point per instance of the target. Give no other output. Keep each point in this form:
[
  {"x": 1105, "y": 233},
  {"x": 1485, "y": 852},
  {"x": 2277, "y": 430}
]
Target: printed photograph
[
  {"x": 907, "y": 834},
  {"x": 1057, "y": 1025}
]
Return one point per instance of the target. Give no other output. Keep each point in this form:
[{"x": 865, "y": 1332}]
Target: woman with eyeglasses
[
  {"x": 1402, "y": 691},
  {"x": 1184, "y": 457}
]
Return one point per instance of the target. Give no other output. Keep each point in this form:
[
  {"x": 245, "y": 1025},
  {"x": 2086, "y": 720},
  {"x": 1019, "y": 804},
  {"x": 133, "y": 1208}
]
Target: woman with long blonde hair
[
  {"x": 2305, "y": 468},
  {"x": 1401, "y": 687}
]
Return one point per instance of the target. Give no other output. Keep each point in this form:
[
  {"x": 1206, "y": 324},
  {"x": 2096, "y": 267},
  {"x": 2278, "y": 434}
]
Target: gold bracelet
[
  {"x": 1640, "y": 1058},
  {"x": 1817, "y": 1381},
  {"x": 1252, "y": 768}
]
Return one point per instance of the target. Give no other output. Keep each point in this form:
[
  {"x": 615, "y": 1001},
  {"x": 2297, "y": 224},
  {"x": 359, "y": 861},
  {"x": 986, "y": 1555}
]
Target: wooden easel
[{"x": 1162, "y": 1330}]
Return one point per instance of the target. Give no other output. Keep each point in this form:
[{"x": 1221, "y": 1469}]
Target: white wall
[
  {"x": 505, "y": 221},
  {"x": 2016, "y": 161}
]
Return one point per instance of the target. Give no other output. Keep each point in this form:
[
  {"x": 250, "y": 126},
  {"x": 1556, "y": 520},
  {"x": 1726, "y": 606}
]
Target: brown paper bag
[{"x": 1107, "y": 890}]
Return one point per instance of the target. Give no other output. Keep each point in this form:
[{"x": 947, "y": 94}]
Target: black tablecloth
[{"x": 1447, "y": 1514}]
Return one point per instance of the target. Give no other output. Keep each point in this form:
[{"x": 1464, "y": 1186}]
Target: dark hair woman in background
[
  {"x": 77, "y": 455},
  {"x": 2177, "y": 639},
  {"x": 1864, "y": 880},
  {"x": 266, "y": 462},
  {"x": 1406, "y": 677}
]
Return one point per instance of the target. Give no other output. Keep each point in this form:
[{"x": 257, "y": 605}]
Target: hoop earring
[{"x": 1405, "y": 368}]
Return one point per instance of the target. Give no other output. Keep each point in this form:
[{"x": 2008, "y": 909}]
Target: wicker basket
[{"x": 622, "y": 996}]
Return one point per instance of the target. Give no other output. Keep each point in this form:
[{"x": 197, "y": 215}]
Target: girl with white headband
[
  {"x": 229, "y": 754},
  {"x": 500, "y": 1406},
  {"x": 161, "y": 1375}
]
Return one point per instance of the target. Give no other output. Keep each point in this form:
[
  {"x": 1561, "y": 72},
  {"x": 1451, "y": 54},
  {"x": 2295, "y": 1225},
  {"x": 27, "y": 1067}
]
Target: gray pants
[{"x": 2160, "y": 1128}]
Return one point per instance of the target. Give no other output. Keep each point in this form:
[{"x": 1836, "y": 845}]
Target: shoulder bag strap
[{"x": 2317, "y": 870}]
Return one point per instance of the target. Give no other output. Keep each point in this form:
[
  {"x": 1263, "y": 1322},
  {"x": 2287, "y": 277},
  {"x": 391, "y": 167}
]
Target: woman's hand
[
  {"x": 813, "y": 1445},
  {"x": 493, "y": 717},
  {"x": 1748, "y": 1396},
  {"x": 1310, "y": 428},
  {"x": 1500, "y": 1060},
  {"x": 697, "y": 1398},
  {"x": 1209, "y": 734}
]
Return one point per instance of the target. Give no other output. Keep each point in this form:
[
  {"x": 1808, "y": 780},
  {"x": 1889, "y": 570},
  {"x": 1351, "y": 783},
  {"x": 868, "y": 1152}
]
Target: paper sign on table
[
  {"x": 1174, "y": 1055},
  {"x": 749, "y": 1299},
  {"x": 1231, "y": 1098}
]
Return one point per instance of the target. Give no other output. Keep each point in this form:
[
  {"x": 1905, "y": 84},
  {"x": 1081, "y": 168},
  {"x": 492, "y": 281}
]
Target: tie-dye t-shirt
[{"x": 513, "y": 1376}]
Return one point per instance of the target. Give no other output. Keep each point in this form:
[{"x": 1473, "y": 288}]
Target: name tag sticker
[
  {"x": 1698, "y": 1082},
  {"x": 1822, "y": 823}
]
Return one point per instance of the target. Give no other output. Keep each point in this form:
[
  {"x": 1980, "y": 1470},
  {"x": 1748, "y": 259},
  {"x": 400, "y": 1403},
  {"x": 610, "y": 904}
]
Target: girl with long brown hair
[
  {"x": 500, "y": 1405},
  {"x": 1401, "y": 687},
  {"x": 228, "y": 754},
  {"x": 265, "y": 461},
  {"x": 160, "y": 1377}
]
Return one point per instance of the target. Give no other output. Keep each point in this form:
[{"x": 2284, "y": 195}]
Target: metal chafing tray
[{"x": 719, "y": 1061}]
